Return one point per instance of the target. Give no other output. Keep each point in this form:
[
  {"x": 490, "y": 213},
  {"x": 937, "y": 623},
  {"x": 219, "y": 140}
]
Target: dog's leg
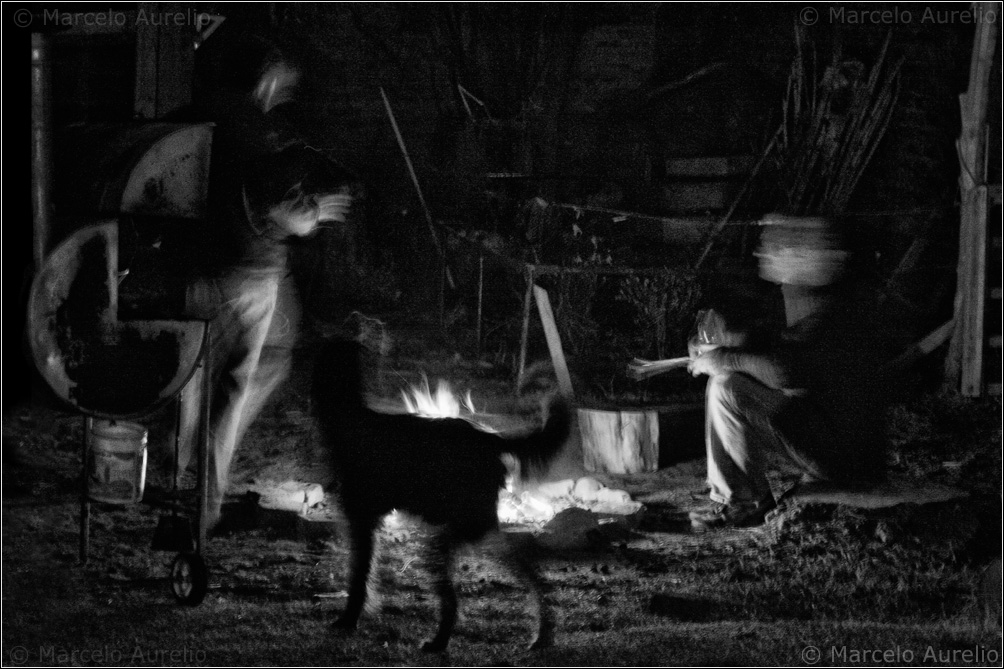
[
  {"x": 517, "y": 553},
  {"x": 359, "y": 571},
  {"x": 439, "y": 562}
]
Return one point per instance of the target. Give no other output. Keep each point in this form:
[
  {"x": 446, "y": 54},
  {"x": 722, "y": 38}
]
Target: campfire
[
  {"x": 521, "y": 507},
  {"x": 421, "y": 401}
]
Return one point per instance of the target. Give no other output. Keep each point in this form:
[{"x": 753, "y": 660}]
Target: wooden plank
[
  {"x": 712, "y": 166},
  {"x": 550, "y": 269},
  {"x": 553, "y": 341},
  {"x": 616, "y": 213},
  {"x": 175, "y": 57},
  {"x": 165, "y": 58},
  {"x": 598, "y": 270},
  {"x": 414, "y": 180},
  {"x": 964, "y": 363},
  {"x": 145, "y": 95},
  {"x": 525, "y": 332},
  {"x": 918, "y": 350},
  {"x": 971, "y": 380},
  {"x": 739, "y": 196},
  {"x": 481, "y": 298},
  {"x": 83, "y": 24}
]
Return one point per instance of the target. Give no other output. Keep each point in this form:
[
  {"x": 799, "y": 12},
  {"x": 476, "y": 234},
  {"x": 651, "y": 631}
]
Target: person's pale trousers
[
  {"x": 741, "y": 429},
  {"x": 250, "y": 358}
]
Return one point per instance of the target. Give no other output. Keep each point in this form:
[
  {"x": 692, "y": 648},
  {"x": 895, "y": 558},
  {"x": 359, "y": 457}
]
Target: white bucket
[{"x": 117, "y": 462}]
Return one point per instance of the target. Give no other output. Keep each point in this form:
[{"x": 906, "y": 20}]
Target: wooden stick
[
  {"x": 481, "y": 297},
  {"x": 84, "y": 542},
  {"x": 916, "y": 351},
  {"x": 742, "y": 193},
  {"x": 553, "y": 341},
  {"x": 414, "y": 179},
  {"x": 639, "y": 369},
  {"x": 525, "y": 332}
]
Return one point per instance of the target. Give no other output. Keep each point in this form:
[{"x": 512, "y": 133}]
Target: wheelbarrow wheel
[{"x": 189, "y": 579}]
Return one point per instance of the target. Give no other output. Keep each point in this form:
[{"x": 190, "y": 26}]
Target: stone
[
  {"x": 613, "y": 497},
  {"x": 561, "y": 488},
  {"x": 289, "y": 496},
  {"x": 320, "y": 527},
  {"x": 619, "y": 508},
  {"x": 586, "y": 488},
  {"x": 571, "y": 529}
]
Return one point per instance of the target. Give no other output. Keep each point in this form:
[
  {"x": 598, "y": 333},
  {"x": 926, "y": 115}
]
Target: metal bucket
[{"x": 116, "y": 467}]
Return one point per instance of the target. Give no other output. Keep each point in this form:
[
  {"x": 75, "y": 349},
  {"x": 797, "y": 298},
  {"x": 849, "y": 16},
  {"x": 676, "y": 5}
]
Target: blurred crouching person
[
  {"x": 266, "y": 189},
  {"x": 812, "y": 394}
]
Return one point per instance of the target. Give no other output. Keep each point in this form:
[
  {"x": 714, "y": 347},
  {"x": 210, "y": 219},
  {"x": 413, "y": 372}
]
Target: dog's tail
[{"x": 535, "y": 451}]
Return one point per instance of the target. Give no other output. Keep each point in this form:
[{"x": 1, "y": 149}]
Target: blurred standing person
[{"x": 266, "y": 188}]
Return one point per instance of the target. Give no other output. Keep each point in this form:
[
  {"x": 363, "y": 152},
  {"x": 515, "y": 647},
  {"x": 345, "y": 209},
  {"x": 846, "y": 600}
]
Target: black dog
[{"x": 444, "y": 470}]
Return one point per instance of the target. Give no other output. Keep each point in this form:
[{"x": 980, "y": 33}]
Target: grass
[{"x": 909, "y": 579}]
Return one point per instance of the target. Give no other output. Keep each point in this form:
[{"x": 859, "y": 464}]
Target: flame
[
  {"x": 421, "y": 401},
  {"x": 525, "y": 507},
  {"x": 441, "y": 404}
]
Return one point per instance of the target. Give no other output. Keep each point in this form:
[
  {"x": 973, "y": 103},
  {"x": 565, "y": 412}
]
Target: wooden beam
[
  {"x": 525, "y": 332},
  {"x": 964, "y": 364},
  {"x": 553, "y": 341},
  {"x": 972, "y": 316},
  {"x": 918, "y": 350},
  {"x": 41, "y": 148},
  {"x": 713, "y": 166},
  {"x": 165, "y": 58}
]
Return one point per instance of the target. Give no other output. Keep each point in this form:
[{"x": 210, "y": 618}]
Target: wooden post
[
  {"x": 481, "y": 297},
  {"x": 916, "y": 351},
  {"x": 205, "y": 442},
  {"x": 553, "y": 341},
  {"x": 964, "y": 365},
  {"x": 41, "y": 148},
  {"x": 85, "y": 492},
  {"x": 165, "y": 59},
  {"x": 525, "y": 334}
]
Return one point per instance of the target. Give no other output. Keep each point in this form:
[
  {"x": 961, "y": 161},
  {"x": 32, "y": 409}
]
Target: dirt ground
[{"x": 819, "y": 584}]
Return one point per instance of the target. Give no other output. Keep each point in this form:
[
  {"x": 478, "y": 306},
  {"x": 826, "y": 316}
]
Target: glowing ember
[{"x": 525, "y": 507}]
